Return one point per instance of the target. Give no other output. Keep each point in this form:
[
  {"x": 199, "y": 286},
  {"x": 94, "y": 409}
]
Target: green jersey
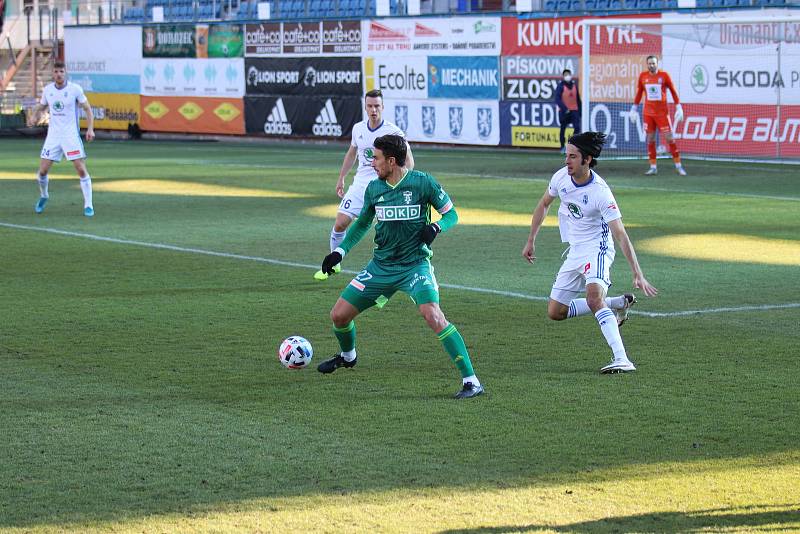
[{"x": 402, "y": 210}]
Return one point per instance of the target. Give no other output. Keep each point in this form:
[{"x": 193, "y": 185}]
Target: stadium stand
[{"x": 188, "y": 10}]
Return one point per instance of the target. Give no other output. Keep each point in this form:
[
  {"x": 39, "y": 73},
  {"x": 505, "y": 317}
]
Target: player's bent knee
[
  {"x": 342, "y": 314},
  {"x": 556, "y": 310}
]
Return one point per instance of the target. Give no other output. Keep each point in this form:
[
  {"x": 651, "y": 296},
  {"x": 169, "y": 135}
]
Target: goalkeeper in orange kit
[{"x": 653, "y": 85}]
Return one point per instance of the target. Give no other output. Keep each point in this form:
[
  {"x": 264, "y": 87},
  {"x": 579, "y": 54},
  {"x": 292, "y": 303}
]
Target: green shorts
[{"x": 376, "y": 284}]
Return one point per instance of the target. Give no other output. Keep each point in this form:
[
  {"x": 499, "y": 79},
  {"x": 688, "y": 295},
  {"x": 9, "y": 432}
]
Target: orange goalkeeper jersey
[{"x": 654, "y": 88}]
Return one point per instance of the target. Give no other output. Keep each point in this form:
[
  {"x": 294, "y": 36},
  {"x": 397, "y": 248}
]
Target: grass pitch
[{"x": 140, "y": 388}]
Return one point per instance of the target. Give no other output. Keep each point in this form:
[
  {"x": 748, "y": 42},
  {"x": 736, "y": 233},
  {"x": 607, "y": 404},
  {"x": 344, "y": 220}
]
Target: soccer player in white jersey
[
  {"x": 63, "y": 135},
  {"x": 588, "y": 217},
  {"x": 364, "y": 134}
]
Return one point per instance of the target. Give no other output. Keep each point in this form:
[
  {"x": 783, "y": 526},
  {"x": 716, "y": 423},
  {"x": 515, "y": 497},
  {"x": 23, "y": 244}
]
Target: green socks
[
  {"x": 346, "y": 336},
  {"x": 455, "y": 347}
]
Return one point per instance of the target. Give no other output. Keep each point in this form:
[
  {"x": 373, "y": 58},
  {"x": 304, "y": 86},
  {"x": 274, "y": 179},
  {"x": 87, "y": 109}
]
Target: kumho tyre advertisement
[{"x": 302, "y": 116}]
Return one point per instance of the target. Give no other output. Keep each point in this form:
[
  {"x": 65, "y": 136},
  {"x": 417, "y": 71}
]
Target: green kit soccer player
[{"x": 401, "y": 200}]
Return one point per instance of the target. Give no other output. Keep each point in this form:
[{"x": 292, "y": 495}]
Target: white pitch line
[{"x": 191, "y": 250}]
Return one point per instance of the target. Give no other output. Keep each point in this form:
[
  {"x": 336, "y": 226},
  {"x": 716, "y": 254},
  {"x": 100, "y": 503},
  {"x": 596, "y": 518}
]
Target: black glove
[
  {"x": 429, "y": 233},
  {"x": 330, "y": 261}
]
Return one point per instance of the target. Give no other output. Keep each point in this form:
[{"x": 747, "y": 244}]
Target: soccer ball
[{"x": 295, "y": 352}]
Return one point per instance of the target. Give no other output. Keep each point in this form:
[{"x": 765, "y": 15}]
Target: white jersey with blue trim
[
  {"x": 63, "y": 105},
  {"x": 585, "y": 209},
  {"x": 363, "y": 139}
]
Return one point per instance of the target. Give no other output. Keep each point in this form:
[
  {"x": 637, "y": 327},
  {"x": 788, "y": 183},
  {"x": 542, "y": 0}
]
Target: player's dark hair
[
  {"x": 375, "y": 93},
  {"x": 392, "y": 146},
  {"x": 566, "y": 71},
  {"x": 58, "y": 64},
  {"x": 589, "y": 144},
  {"x": 651, "y": 57}
]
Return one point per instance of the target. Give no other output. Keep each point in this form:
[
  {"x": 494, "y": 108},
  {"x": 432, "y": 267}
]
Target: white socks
[
  {"x": 473, "y": 379},
  {"x": 43, "y": 181},
  {"x": 86, "y": 187},
  {"x": 336, "y": 239},
  {"x": 608, "y": 325},
  {"x": 349, "y": 355},
  {"x": 578, "y": 307}
]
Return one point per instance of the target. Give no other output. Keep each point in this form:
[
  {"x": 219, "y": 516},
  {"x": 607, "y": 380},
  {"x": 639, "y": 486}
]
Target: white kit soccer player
[
  {"x": 588, "y": 217},
  {"x": 363, "y": 138},
  {"x": 361, "y": 149},
  {"x": 583, "y": 218},
  {"x": 63, "y": 98}
]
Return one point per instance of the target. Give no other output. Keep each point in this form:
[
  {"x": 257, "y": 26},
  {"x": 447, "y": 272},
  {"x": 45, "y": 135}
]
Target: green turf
[{"x": 139, "y": 388}]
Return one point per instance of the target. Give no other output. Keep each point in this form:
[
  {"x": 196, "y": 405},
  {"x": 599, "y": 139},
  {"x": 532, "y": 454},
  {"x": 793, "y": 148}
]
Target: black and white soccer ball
[{"x": 295, "y": 352}]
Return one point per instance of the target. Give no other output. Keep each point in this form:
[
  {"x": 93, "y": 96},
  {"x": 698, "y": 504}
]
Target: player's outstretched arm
[
  {"x": 347, "y": 164},
  {"x": 87, "y": 108},
  {"x": 539, "y": 213},
  {"x": 621, "y": 237}
]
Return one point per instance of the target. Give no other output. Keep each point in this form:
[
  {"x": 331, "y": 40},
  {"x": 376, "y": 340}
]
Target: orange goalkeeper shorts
[{"x": 652, "y": 123}]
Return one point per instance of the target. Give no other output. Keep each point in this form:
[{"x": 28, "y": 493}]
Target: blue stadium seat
[{"x": 550, "y": 5}]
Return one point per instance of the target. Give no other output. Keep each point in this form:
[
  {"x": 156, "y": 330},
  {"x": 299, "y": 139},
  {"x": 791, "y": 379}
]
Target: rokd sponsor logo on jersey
[
  {"x": 397, "y": 77},
  {"x": 564, "y": 36},
  {"x": 397, "y": 213},
  {"x": 463, "y": 77}
]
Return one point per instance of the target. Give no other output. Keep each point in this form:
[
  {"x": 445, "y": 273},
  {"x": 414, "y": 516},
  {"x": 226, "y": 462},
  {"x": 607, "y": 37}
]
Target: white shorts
[
  {"x": 56, "y": 148},
  {"x": 585, "y": 264},
  {"x": 353, "y": 201}
]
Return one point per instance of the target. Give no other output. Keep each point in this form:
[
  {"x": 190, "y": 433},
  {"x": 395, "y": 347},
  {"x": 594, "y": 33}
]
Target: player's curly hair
[
  {"x": 589, "y": 144},
  {"x": 393, "y": 146}
]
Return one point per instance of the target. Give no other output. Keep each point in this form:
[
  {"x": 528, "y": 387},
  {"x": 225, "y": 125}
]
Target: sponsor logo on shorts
[
  {"x": 356, "y": 284},
  {"x": 73, "y": 152},
  {"x": 397, "y": 213}
]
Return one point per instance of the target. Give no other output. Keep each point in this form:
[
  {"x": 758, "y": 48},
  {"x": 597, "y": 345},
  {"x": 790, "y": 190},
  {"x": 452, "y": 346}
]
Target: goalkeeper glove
[
  {"x": 678, "y": 113},
  {"x": 634, "y": 114},
  {"x": 429, "y": 233},
  {"x": 331, "y": 260}
]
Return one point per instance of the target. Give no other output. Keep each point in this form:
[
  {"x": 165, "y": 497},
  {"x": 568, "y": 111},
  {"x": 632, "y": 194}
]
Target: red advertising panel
[
  {"x": 564, "y": 37},
  {"x": 192, "y": 115},
  {"x": 740, "y": 129}
]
